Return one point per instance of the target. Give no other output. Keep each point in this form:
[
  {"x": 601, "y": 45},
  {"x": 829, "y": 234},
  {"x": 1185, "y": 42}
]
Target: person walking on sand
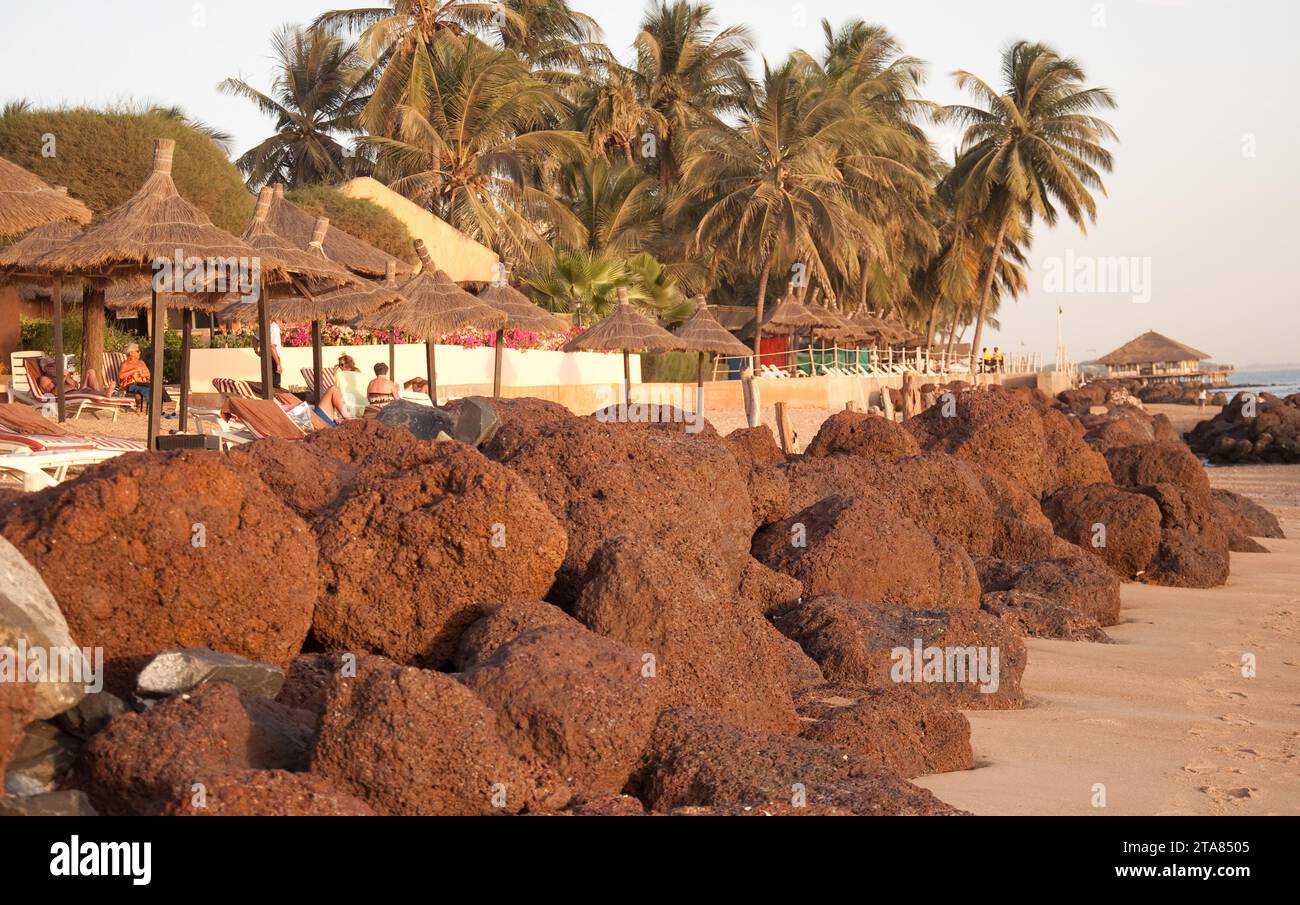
[{"x": 1201, "y": 398}]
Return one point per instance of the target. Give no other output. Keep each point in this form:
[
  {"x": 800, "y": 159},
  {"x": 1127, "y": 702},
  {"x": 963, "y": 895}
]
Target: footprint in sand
[
  {"x": 1236, "y": 719},
  {"x": 1230, "y": 695},
  {"x": 1232, "y": 795}
]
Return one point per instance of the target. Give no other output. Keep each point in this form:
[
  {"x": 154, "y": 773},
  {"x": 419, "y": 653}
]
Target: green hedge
[
  {"x": 672, "y": 367},
  {"x": 358, "y": 217},
  {"x": 103, "y": 157},
  {"x": 39, "y": 334}
]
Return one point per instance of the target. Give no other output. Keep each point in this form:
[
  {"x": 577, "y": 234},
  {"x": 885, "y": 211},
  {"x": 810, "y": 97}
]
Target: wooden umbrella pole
[
  {"x": 155, "y": 375},
  {"x": 264, "y": 332},
  {"x": 317, "y": 358},
  {"x": 187, "y": 340},
  {"x": 392, "y": 354},
  {"x": 432, "y": 364},
  {"x": 496, "y": 364},
  {"x": 627, "y": 378},
  {"x": 56, "y": 297}
]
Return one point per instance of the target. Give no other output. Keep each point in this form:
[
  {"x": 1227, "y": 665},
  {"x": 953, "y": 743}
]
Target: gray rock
[
  {"x": 30, "y": 614},
  {"x": 478, "y": 422},
  {"x": 68, "y": 803},
  {"x": 178, "y": 671},
  {"x": 45, "y": 754},
  {"x": 91, "y": 715},
  {"x": 424, "y": 421}
]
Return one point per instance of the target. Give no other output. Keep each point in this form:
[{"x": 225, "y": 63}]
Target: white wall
[{"x": 456, "y": 365}]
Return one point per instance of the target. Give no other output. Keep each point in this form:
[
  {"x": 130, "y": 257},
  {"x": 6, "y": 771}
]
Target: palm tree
[
  {"x": 314, "y": 98},
  {"x": 470, "y": 142},
  {"x": 690, "y": 71},
  {"x": 615, "y": 205},
  {"x": 537, "y": 30},
  {"x": 613, "y": 115},
  {"x": 586, "y": 283},
  {"x": 774, "y": 186},
  {"x": 1025, "y": 151}
]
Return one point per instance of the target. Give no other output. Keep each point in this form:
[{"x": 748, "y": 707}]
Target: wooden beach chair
[
  {"x": 39, "y": 453},
  {"x": 25, "y": 387}
]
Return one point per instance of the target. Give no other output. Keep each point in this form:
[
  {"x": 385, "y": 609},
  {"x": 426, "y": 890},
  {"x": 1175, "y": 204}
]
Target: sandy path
[{"x": 1164, "y": 718}]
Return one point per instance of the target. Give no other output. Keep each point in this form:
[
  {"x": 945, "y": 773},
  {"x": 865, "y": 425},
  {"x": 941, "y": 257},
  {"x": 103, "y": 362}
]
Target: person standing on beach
[
  {"x": 277, "y": 369},
  {"x": 997, "y": 359},
  {"x": 1201, "y": 398},
  {"x": 986, "y": 360}
]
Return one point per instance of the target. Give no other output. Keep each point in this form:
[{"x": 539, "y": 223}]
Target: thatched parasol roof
[
  {"x": 27, "y": 201},
  {"x": 703, "y": 333},
  {"x": 338, "y": 303},
  {"x": 521, "y": 314},
  {"x": 625, "y": 331},
  {"x": 434, "y": 305},
  {"x": 789, "y": 316},
  {"x": 154, "y": 224},
  {"x": 298, "y": 226},
  {"x": 20, "y": 266},
  {"x": 836, "y": 325},
  {"x": 885, "y": 330},
  {"x": 1152, "y": 348},
  {"x": 312, "y": 265}
]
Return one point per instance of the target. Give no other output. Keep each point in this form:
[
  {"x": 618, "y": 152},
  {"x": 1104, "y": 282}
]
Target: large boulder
[
  {"x": 1158, "y": 463},
  {"x": 141, "y": 761},
  {"x": 1080, "y": 583},
  {"x": 502, "y": 623},
  {"x": 417, "y": 743},
  {"x": 606, "y": 480},
  {"x": 710, "y": 650},
  {"x": 968, "y": 658},
  {"x": 1251, "y": 428},
  {"x": 858, "y": 434},
  {"x": 862, "y": 547},
  {"x": 1119, "y": 526},
  {"x": 1020, "y": 529},
  {"x": 1072, "y": 462},
  {"x": 1036, "y": 616},
  {"x": 577, "y": 701},
  {"x": 1245, "y": 515},
  {"x": 755, "y": 450},
  {"x": 151, "y": 552},
  {"x": 940, "y": 493},
  {"x": 407, "y": 559},
  {"x": 31, "y": 621},
  {"x": 266, "y": 793},
  {"x": 1193, "y": 550},
  {"x": 896, "y": 727},
  {"x": 993, "y": 428},
  {"x": 695, "y": 760}
]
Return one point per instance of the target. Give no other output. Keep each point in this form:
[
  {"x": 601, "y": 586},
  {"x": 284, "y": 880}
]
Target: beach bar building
[{"x": 1155, "y": 358}]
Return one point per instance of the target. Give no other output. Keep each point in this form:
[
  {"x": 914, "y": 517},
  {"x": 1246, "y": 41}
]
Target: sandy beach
[{"x": 1164, "y": 717}]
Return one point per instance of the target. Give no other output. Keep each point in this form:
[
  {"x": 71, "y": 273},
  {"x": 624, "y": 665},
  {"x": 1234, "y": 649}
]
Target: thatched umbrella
[
  {"x": 311, "y": 273},
  {"x": 702, "y": 333},
  {"x": 521, "y": 314},
  {"x": 435, "y": 305},
  {"x": 146, "y": 234},
  {"x": 298, "y": 226},
  {"x": 625, "y": 331},
  {"x": 27, "y": 201}
]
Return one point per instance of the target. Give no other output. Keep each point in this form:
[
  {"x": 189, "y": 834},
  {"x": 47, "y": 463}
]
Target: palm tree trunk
[
  {"x": 758, "y": 306},
  {"x": 988, "y": 290},
  {"x": 929, "y": 324}
]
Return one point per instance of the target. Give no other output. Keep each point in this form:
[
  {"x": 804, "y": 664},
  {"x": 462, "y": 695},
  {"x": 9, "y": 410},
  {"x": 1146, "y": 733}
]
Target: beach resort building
[{"x": 1155, "y": 358}]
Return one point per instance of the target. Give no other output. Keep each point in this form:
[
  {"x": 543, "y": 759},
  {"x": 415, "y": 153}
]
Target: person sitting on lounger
[
  {"x": 381, "y": 390},
  {"x": 331, "y": 408},
  {"x": 133, "y": 377}
]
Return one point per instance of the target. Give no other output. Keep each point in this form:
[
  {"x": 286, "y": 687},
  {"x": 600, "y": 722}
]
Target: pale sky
[{"x": 1203, "y": 199}]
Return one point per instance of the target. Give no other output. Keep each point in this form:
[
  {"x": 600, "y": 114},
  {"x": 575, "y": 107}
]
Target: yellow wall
[{"x": 455, "y": 253}]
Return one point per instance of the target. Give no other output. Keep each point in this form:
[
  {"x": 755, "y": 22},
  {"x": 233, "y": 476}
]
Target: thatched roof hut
[
  {"x": 346, "y": 302},
  {"x": 1152, "y": 348},
  {"x": 27, "y": 201},
  {"x": 298, "y": 226},
  {"x": 313, "y": 269}
]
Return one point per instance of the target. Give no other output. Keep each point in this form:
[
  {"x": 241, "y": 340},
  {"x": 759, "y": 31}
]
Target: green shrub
[
  {"x": 39, "y": 334},
  {"x": 357, "y": 216},
  {"x": 672, "y": 367},
  {"x": 103, "y": 157}
]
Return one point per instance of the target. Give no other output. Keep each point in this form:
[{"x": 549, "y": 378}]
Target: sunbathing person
[
  {"x": 331, "y": 408},
  {"x": 381, "y": 390}
]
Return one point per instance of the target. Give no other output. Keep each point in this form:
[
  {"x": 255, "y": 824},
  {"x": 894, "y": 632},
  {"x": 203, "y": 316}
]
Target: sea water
[{"x": 1279, "y": 383}]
